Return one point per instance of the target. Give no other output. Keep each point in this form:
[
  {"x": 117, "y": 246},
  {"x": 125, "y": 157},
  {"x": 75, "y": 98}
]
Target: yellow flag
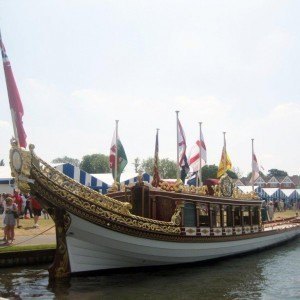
[{"x": 225, "y": 163}]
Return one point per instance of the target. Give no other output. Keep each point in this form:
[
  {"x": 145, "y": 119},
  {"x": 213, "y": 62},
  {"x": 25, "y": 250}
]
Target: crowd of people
[
  {"x": 278, "y": 205},
  {"x": 18, "y": 206}
]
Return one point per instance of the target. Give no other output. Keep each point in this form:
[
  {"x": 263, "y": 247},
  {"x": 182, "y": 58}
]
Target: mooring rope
[{"x": 31, "y": 238}]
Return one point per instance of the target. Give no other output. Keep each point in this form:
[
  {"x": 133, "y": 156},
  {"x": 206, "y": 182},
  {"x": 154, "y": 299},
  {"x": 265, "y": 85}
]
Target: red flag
[{"x": 15, "y": 102}]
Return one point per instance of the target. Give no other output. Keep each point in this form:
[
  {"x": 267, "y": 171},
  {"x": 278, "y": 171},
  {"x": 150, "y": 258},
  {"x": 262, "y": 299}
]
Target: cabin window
[
  {"x": 229, "y": 214},
  {"x": 190, "y": 219},
  {"x": 237, "y": 216},
  {"x": 255, "y": 218},
  {"x": 246, "y": 215},
  {"x": 203, "y": 215}
]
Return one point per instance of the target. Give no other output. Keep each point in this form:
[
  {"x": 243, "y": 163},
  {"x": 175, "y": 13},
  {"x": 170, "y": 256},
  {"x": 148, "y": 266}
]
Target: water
[{"x": 271, "y": 274}]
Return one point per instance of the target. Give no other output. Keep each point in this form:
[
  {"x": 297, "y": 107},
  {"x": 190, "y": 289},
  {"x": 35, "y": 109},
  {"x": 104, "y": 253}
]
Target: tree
[
  {"x": 232, "y": 174},
  {"x": 167, "y": 167},
  {"x": 2, "y": 162},
  {"x": 277, "y": 173},
  {"x": 66, "y": 159},
  {"x": 95, "y": 163},
  {"x": 209, "y": 171}
]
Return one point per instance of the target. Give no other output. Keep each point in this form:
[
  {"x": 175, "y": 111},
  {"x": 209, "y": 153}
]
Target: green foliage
[
  {"x": 66, "y": 159},
  {"x": 209, "y": 171},
  {"x": 167, "y": 167},
  {"x": 95, "y": 163},
  {"x": 277, "y": 173},
  {"x": 2, "y": 162},
  {"x": 232, "y": 174}
]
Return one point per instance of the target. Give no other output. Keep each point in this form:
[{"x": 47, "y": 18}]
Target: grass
[
  {"x": 27, "y": 248},
  {"x": 27, "y": 228},
  {"x": 286, "y": 214}
]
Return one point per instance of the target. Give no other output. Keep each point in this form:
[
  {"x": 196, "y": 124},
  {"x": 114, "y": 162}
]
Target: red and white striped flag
[
  {"x": 194, "y": 155},
  {"x": 15, "y": 102}
]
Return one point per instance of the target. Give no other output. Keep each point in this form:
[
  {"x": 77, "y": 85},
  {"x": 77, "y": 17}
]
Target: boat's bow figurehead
[{"x": 20, "y": 161}]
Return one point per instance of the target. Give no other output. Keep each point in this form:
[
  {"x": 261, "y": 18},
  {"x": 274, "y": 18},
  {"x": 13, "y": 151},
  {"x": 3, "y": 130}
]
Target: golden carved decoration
[
  {"x": 90, "y": 201},
  {"x": 176, "y": 218},
  {"x": 172, "y": 186}
]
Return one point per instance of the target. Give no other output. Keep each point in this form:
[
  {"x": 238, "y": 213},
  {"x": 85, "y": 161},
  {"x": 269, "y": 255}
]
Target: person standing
[
  {"x": 27, "y": 207},
  {"x": 10, "y": 220},
  {"x": 19, "y": 202},
  {"x": 37, "y": 209}
]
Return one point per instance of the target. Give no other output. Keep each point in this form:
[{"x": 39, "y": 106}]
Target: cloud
[{"x": 4, "y": 124}]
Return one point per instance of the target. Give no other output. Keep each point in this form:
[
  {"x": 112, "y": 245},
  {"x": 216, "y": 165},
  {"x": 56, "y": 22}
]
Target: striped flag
[
  {"x": 156, "y": 177},
  {"x": 15, "y": 102},
  {"x": 194, "y": 155}
]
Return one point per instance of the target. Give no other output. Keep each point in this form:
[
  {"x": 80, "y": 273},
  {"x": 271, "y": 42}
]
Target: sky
[{"x": 82, "y": 64}]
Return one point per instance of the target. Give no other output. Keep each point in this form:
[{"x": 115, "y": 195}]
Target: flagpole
[
  {"x": 252, "y": 175},
  {"x": 225, "y": 152},
  {"x": 200, "y": 156},
  {"x": 178, "y": 167},
  {"x": 116, "y": 154}
]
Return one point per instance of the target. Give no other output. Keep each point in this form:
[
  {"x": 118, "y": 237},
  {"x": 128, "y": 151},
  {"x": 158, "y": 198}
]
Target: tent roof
[
  {"x": 270, "y": 191},
  {"x": 246, "y": 188},
  {"x": 288, "y": 192}
]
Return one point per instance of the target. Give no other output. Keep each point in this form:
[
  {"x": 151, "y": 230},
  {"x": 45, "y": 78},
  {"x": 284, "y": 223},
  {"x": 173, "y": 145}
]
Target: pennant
[
  {"x": 15, "y": 102},
  {"x": 156, "y": 177}
]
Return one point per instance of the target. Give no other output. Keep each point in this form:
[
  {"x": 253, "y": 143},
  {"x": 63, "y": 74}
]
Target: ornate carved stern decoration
[
  {"x": 61, "y": 264},
  {"x": 21, "y": 163}
]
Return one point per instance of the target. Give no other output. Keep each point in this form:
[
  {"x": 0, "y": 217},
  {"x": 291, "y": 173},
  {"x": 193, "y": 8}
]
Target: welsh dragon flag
[{"x": 117, "y": 154}]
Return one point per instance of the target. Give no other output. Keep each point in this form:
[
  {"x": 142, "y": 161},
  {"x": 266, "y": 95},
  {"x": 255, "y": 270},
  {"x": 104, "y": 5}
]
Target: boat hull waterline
[{"x": 93, "y": 248}]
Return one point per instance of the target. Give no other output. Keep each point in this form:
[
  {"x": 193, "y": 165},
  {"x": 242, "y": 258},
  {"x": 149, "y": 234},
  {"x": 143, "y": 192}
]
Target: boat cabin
[{"x": 198, "y": 214}]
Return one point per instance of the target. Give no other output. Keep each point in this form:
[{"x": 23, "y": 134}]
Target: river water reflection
[{"x": 271, "y": 274}]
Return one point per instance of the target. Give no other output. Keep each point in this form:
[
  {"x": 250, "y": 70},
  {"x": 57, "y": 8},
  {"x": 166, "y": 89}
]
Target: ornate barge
[{"x": 141, "y": 226}]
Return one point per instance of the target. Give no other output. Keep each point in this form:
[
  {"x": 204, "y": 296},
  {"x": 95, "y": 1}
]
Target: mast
[
  {"x": 116, "y": 154},
  {"x": 200, "y": 156},
  {"x": 252, "y": 175},
  {"x": 178, "y": 166},
  {"x": 225, "y": 153}
]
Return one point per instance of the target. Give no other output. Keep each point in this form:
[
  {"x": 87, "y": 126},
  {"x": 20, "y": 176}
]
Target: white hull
[{"x": 92, "y": 247}]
